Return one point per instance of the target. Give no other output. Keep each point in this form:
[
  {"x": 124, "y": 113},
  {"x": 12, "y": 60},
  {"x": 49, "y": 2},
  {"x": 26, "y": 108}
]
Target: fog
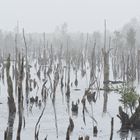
[
  {"x": 69, "y": 70},
  {"x": 80, "y": 15}
]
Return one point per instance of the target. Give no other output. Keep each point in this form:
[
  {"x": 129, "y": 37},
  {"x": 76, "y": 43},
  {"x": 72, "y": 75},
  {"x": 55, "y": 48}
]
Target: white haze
[{"x": 80, "y": 15}]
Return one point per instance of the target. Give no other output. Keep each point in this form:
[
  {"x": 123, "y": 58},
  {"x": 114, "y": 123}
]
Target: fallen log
[{"x": 113, "y": 82}]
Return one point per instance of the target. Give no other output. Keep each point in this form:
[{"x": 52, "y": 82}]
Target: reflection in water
[
  {"x": 55, "y": 115},
  {"x": 105, "y": 101},
  {"x": 106, "y": 88},
  {"x": 62, "y": 92},
  {"x": 74, "y": 108},
  {"x": 127, "y": 135},
  {"x": 68, "y": 103},
  {"x": 136, "y": 134},
  {"x": 124, "y": 135}
]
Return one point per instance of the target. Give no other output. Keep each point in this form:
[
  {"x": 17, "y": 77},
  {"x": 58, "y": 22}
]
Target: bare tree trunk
[
  {"x": 20, "y": 100},
  {"x": 16, "y": 64},
  {"x": 106, "y": 71},
  {"x": 27, "y": 74},
  {"x": 138, "y": 65},
  {"x": 93, "y": 65},
  {"x": 11, "y": 104}
]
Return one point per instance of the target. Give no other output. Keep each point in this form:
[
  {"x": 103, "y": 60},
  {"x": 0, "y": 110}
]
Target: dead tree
[
  {"x": 11, "y": 103},
  {"x": 16, "y": 51},
  {"x": 20, "y": 99},
  {"x": 68, "y": 80},
  {"x": 138, "y": 65},
  {"x": 56, "y": 80},
  {"x": 27, "y": 74},
  {"x": 106, "y": 70},
  {"x": 93, "y": 64}
]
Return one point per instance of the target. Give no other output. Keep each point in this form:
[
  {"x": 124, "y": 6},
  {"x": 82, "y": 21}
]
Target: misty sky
[{"x": 81, "y": 15}]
